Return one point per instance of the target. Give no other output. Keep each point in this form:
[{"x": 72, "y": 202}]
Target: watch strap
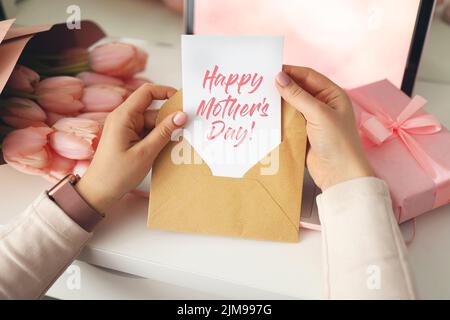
[{"x": 65, "y": 195}]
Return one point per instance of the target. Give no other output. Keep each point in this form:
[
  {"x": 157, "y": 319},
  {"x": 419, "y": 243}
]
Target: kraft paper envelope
[{"x": 187, "y": 198}]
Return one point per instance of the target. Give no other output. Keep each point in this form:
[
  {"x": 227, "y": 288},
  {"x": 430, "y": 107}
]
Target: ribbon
[{"x": 379, "y": 127}]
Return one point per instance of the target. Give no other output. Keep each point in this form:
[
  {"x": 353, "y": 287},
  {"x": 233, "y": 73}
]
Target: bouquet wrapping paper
[
  {"x": 68, "y": 81},
  {"x": 407, "y": 147}
]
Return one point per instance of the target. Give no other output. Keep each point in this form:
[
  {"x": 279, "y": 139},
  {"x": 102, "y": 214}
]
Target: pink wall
[{"x": 354, "y": 42}]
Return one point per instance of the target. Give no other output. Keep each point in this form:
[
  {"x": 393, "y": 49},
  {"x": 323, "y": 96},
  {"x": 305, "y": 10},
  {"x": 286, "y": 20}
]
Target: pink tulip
[
  {"x": 75, "y": 138},
  {"x": 17, "y": 117},
  {"x": 31, "y": 110},
  {"x": 60, "y": 166},
  {"x": 27, "y": 150},
  {"x": 118, "y": 59},
  {"x": 23, "y": 79},
  {"x": 100, "y": 117},
  {"x": 103, "y": 98},
  {"x": 92, "y": 78},
  {"x": 52, "y": 117},
  {"x": 20, "y": 123},
  {"x": 60, "y": 94},
  {"x": 134, "y": 83},
  {"x": 81, "y": 167},
  {"x": 71, "y": 146}
]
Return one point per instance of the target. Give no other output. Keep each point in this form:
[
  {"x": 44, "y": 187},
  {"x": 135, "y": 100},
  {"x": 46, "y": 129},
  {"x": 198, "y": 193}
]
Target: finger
[
  {"x": 298, "y": 97},
  {"x": 309, "y": 79},
  {"x": 150, "y": 116},
  {"x": 317, "y": 85},
  {"x": 141, "y": 99},
  {"x": 158, "y": 138}
]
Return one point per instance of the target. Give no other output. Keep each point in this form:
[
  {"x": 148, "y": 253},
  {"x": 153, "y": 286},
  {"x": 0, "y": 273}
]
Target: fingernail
[
  {"x": 179, "y": 119},
  {"x": 283, "y": 79}
]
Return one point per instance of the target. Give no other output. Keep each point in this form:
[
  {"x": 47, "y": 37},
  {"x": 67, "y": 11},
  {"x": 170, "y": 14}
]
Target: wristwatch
[{"x": 65, "y": 195}]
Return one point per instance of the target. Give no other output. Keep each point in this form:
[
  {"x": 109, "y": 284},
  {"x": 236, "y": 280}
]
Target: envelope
[{"x": 187, "y": 198}]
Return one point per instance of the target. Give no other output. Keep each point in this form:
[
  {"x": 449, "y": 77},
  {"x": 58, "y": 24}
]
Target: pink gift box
[{"x": 407, "y": 147}]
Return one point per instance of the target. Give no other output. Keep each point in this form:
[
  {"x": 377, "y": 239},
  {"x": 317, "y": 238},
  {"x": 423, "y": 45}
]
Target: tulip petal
[
  {"x": 20, "y": 123},
  {"x": 23, "y": 79},
  {"x": 81, "y": 167},
  {"x": 92, "y": 78},
  {"x": 100, "y": 117},
  {"x": 27, "y": 141},
  {"x": 60, "y": 103},
  {"x": 60, "y": 166},
  {"x": 82, "y": 128},
  {"x": 118, "y": 59},
  {"x": 101, "y": 99},
  {"x": 60, "y": 94},
  {"x": 70, "y": 146},
  {"x": 134, "y": 83},
  {"x": 32, "y": 112}
]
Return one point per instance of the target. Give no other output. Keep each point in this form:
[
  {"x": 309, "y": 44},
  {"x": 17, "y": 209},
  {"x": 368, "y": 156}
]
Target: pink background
[{"x": 354, "y": 42}]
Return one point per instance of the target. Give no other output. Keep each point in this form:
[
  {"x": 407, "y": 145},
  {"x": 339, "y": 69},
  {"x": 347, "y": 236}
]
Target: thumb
[
  {"x": 158, "y": 138},
  {"x": 298, "y": 97}
]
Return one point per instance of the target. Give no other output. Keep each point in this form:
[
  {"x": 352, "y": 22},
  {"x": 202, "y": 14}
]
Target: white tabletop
[{"x": 193, "y": 266}]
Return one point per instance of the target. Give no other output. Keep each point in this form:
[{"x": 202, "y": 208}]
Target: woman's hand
[
  {"x": 335, "y": 154},
  {"x": 125, "y": 154}
]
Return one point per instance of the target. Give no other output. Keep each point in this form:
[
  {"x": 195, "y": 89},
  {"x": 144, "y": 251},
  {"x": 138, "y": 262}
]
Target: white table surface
[{"x": 193, "y": 266}]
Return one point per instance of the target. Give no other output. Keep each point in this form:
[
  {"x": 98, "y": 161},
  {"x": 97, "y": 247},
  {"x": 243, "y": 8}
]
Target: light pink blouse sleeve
[
  {"x": 364, "y": 252},
  {"x": 36, "y": 248}
]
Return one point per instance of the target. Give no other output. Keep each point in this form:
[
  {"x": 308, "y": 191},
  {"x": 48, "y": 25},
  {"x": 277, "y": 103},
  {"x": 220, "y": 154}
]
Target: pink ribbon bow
[{"x": 379, "y": 127}]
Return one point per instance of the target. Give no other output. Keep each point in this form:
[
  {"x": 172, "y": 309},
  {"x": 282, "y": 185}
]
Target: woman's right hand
[{"x": 335, "y": 153}]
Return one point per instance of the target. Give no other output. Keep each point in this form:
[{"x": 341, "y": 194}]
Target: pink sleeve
[
  {"x": 364, "y": 252},
  {"x": 36, "y": 248}
]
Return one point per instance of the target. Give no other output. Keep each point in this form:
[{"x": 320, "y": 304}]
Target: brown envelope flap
[{"x": 215, "y": 205}]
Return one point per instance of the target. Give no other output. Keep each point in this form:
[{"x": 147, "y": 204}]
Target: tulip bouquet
[{"x": 53, "y": 107}]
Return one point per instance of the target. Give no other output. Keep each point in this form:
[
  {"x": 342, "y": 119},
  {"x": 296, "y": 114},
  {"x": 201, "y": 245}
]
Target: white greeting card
[{"x": 230, "y": 97}]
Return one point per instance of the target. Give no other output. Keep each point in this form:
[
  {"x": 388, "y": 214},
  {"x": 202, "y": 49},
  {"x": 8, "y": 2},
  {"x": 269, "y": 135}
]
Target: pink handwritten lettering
[
  {"x": 220, "y": 110},
  {"x": 214, "y": 79}
]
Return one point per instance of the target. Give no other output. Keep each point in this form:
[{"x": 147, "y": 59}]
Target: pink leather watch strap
[{"x": 72, "y": 203}]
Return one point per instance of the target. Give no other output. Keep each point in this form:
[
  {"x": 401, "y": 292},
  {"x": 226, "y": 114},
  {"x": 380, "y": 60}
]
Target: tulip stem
[
  {"x": 11, "y": 104},
  {"x": 63, "y": 70},
  {"x": 5, "y": 129},
  {"x": 84, "y": 64},
  {"x": 69, "y": 71},
  {"x": 21, "y": 94},
  {"x": 58, "y": 57}
]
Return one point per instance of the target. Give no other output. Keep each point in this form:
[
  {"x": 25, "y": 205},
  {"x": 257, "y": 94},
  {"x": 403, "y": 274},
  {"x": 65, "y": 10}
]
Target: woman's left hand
[{"x": 125, "y": 154}]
